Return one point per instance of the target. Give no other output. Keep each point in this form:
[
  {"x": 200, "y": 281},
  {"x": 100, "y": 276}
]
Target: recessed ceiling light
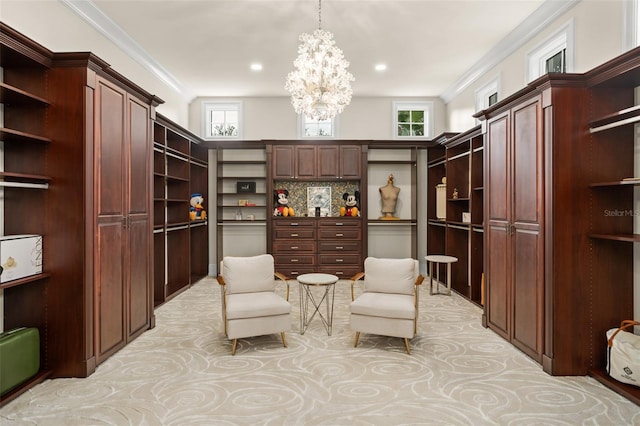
[
  {"x": 256, "y": 66},
  {"x": 381, "y": 67}
]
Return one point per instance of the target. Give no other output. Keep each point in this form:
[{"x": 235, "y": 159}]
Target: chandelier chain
[{"x": 319, "y": 14}]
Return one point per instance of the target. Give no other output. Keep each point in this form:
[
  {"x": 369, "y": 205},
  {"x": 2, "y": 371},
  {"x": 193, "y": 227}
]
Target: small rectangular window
[
  {"x": 493, "y": 98},
  {"x": 222, "y": 120},
  {"x": 413, "y": 120},
  {"x": 318, "y": 128},
  {"x": 557, "y": 63}
]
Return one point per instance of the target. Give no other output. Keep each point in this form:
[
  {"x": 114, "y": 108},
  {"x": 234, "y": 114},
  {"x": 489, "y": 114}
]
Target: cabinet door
[
  {"x": 138, "y": 195},
  {"x": 526, "y": 225},
  {"x": 515, "y": 261},
  {"x": 328, "y": 163},
  {"x": 110, "y": 174},
  {"x": 350, "y": 162},
  {"x": 305, "y": 159},
  {"x": 498, "y": 197},
  {"x": 283, "y": 162}
]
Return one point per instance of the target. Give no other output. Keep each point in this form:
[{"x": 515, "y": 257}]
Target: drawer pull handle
[
  {"x": 294, "y": 235},
  {"x": 339, "y": 248},
  {"x": 294, "y": 260},
  {"x": 294, "y": 224},
  {"x": 339, "y": 224},
  {"x": 294, "y": 247},
  {"x": 339, "y": 235},
  {"x": 339, "y": 260}
]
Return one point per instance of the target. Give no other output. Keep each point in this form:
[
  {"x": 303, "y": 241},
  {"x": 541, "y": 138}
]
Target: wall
[
  {"x": 598, "y": 27},
  {"x": 274, "y": 117},
  {"x": 67, "y": 32}
]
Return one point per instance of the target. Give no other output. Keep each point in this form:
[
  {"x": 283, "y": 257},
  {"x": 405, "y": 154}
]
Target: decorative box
[{"x": 20, "y": 256}]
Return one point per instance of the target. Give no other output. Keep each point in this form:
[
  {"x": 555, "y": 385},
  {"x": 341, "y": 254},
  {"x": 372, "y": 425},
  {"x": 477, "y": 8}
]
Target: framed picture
[
  {"x": 319, "y": 197},
  {"x": 246, "y": 187}
]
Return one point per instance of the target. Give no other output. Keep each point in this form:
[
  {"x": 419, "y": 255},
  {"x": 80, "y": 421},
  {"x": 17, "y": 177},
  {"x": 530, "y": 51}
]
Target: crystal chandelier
[{"x": 320, "y": 85}]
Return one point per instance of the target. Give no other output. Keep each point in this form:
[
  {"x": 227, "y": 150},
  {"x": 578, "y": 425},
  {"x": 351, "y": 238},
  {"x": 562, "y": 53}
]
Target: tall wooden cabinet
[
  {"x": 74, "y": 125},
  {"x": 100, "y": 229}
]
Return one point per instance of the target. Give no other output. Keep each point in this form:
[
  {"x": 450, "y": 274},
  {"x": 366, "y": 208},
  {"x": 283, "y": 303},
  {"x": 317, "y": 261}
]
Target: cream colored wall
[
  {"x": 273, "y": 117},
  {"x": 67, "y": 32},
  {"x": 598, "y": 38}
]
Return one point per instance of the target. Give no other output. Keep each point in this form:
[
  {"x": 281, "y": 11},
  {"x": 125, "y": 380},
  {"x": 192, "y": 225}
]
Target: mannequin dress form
[{"x": 389, "y": 195}]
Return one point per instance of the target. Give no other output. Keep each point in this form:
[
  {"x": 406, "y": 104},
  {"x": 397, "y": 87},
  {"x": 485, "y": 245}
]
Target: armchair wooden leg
[
  {"x": 406, "y": 345},
  {"x": 357, "y": 337},
  {"x": 284, "y": 339},
  {"x": 233, "y": 347}
]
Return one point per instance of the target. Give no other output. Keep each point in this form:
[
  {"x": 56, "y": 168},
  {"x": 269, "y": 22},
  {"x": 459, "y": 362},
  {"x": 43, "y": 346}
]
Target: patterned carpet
[{"x": 182, "y": 373}]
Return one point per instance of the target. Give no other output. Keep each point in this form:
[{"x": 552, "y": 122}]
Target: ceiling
[{"x": 205, "y": 47}]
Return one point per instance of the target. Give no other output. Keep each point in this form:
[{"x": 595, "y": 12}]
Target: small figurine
[
  {"x": 196, "y": 211},
  {"x": 455, "y": 193},
  {"x": 352, "y": 204}
]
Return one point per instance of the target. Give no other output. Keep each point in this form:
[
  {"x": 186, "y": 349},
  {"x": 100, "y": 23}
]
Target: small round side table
[{"x": 438, "y": 259}]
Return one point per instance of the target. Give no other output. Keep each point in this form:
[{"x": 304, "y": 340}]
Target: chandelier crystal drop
[{"x": 320, "y": 85}]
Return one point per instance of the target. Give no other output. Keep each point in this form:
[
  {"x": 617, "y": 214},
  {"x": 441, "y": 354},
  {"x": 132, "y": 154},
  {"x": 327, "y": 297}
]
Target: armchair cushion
[
  {"x": 248, "y": 274},
  {"x": 253, "y": 305},
  {"x": 390, "y": 275},
  {"x": 384, "y": 305}
]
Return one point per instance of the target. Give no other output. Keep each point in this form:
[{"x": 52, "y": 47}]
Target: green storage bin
[{"x": 19, "y": 357}]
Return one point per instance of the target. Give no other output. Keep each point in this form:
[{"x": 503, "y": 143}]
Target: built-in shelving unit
[
  {"x": 241, "y": 198},
  {"x": 613, "y": 175},
  {"x": 400, "y": 160},
  {"x": 23, "y": 180},
  {"x": 455, "y": 206},
  {"x": 180, "y": 244}
]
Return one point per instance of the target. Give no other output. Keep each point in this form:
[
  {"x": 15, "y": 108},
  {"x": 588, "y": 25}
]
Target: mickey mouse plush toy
[
  {"x": 280, "y": 201},
  {"x": 351, "y": 202}
]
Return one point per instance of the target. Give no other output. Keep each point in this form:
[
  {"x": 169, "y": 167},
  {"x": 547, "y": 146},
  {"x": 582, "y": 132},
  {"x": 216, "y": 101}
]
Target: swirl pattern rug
[{"x": 182, "y": 373}]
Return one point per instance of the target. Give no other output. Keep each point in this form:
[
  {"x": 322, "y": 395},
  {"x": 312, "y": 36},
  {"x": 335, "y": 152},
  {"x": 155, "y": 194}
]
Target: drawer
[
  {"x": 291, "y": 271},
  {"x": 294, "y": 245},
  {"x": 294, "y": 233},
  {"x": 294, "y": 223},
  {"x": 342, "y": 222},
  {"x": 287, "y": 259},
  {"x": 333, "y": 233},
  {"x": 339, "y": 259},
  {"x": 344, "y": 273},
  {"x": 339, "y": 246}
]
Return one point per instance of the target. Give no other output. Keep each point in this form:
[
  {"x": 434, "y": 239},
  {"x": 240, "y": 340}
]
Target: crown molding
[
  {"x": 542, "y": 17},
  {"x": 88, "y": 11}
]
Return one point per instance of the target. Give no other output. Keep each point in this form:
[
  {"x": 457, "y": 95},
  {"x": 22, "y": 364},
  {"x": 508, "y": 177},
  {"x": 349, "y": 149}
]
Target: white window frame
[
  {"x": 426, "y": 106},
  {"x": 483, "y": 93},
  {"x": 631, "y": 24},
  {"x": 537, "y": 58},
  {"x": 209, "y": 106},
  {"x": 302, "y": 121}
]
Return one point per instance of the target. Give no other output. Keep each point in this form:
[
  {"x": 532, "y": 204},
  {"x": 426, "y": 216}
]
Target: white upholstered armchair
[
  {"x": 250, "y": 305},
  {"x": 388, "y": 305}
]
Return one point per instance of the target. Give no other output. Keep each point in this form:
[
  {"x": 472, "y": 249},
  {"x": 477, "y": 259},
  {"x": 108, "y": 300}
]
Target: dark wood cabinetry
[
  {"x": 612, "y": 148},
  {"x": 180, "y": 164},
  {"x": 24, "y": 184},
  {"x": 302, "y": 244},
  {"x": 316, "y": 162},
  {"x": 514, "y": 226},
  {"x": 455, "y": 220},
  {"x": 328, "y": 245},
  {"x": 85, "y": 158}
]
